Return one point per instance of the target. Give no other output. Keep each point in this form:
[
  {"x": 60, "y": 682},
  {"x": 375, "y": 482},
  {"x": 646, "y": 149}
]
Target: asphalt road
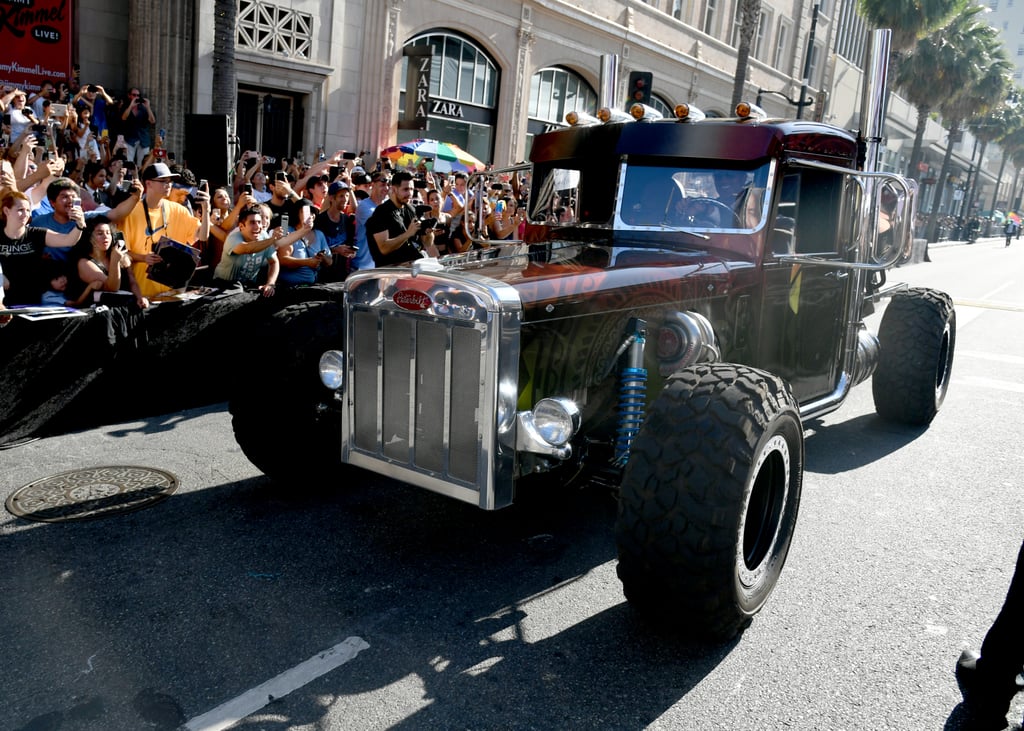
[{"x": 371, "y": 605}]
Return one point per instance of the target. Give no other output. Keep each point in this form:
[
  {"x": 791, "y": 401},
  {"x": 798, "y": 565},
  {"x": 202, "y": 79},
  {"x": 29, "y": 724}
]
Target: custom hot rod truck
[{"x": 687, "y": 293}]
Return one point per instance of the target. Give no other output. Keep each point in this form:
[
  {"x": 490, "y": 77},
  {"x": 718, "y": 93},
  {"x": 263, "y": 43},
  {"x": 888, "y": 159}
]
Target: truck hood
[{"x": 562, "y": 278}]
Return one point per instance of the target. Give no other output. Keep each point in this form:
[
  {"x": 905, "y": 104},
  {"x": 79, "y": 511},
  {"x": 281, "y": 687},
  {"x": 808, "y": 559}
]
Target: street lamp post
[
  {"x": 798, "y": 104},
  {"x": 807, "y": 63}
]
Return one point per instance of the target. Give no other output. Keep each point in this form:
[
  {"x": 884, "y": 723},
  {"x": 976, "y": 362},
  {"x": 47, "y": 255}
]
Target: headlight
[
  {"x": 556, "y": 420},
  {"x": 332, "y": 369}
]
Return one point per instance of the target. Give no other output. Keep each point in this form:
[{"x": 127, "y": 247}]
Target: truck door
[{"x": 804, "y": 303}]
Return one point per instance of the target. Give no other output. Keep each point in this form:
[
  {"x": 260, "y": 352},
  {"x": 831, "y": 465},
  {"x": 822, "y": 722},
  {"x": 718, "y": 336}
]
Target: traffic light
[{"x": 639, "y": 88}]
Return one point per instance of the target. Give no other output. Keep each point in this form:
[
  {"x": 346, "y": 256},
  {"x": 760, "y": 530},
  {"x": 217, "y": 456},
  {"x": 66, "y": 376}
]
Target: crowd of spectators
[{"x": 92, "y": 202}]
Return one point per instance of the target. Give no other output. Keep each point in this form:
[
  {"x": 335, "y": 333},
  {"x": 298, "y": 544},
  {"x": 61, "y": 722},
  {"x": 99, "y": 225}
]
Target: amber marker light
[{"x": 748, "y": 111}]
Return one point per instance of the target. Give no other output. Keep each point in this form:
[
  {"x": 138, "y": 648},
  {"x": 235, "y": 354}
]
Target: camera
[
  {"x": 418, "y": 183},
  {"x": 269, "y": 160},
  {"x": 425, "y": 223}
]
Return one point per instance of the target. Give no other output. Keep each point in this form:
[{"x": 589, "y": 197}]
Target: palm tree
[
  {"x": 983, "y": 57},
  {"x": 909, "y": 19},
  {"x": 929, "y": 73},
  {"x": 1012, "y": 144},
  {"x": 991, "y": 127},
  {"x": 750, "y": 15}
]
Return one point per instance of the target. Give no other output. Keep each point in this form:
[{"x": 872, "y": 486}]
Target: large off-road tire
[
  {"x": 709, "y": 499},
  {"x": 917, "y": 338},
  {"x": 274, "y": 405}
]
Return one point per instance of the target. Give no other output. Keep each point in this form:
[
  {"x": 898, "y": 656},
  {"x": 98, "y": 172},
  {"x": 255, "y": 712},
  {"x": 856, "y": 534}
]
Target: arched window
[
  {"x": 555, "y": 91},
  {"x": 464, "y": 82},
  {"x": 459, "y": 69},
  {"x": 662, "y": 106}
]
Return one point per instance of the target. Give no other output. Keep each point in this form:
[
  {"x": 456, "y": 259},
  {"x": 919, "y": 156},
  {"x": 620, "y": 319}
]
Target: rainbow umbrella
[
  {"x": 1015, "y": 217},
  {"x": 447, "y": 157}
]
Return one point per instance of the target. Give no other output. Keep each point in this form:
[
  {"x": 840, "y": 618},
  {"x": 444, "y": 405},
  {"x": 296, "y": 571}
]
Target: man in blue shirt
[
  {"x": 63, "y": 195},
  {"x": 379, "y": 183}
]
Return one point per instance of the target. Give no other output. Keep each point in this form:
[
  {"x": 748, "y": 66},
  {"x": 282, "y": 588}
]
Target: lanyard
[{"x": 149, "y": 224}]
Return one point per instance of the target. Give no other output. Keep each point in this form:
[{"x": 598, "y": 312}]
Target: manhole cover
[{"x": 91, "y": 493}]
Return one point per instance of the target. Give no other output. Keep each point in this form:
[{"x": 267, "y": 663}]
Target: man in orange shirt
[{"x": 158, "y": 217}]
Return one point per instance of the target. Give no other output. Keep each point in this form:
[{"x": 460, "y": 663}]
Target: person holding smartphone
[
  {"x": 101, "y": 260},
  {"x": 283, "y": 198},
  {"x": 138, "y": 119},
  {"x": 337, "y": 224},
  {"x": 394, "y": 231},
  {"x": 156, "y": 217}
]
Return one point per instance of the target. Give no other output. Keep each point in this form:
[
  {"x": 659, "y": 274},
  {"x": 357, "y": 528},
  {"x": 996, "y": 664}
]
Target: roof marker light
[
  {"x": 686, "y": 113},
  {"x": 581, "y": 119},
  {"x": 607, "y": 114},
  {"x": 643, "y": 112},
  {"x": 747, "y": 111}
]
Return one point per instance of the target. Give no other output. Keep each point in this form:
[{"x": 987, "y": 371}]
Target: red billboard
[{"x": 35, "y": 42}]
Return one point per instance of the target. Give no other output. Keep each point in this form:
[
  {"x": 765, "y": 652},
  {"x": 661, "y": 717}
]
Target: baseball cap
[
  {"x": 360, "y": 179},
  {"x": 359, "y": 169},
  {"x": 336, "y": 187},
  {"x": 158, "y": 171}
]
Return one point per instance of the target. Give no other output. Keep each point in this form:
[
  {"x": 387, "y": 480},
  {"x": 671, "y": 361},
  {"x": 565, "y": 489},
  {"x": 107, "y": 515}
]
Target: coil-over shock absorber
[{"x": 632, "y": 389}]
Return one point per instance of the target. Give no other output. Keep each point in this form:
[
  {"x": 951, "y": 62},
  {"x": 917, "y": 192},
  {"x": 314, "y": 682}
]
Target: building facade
[{"x": 330, "y": 75}]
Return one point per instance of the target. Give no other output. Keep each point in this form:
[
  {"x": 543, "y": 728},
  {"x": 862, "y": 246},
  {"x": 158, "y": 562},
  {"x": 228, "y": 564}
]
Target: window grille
[{"x": 274, "y": 29}]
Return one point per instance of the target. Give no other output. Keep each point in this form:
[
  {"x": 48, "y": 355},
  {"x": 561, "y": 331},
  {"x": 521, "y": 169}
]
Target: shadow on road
[
  {"x": 846, "y": 445},
  {"x": 151, "y": 618}
]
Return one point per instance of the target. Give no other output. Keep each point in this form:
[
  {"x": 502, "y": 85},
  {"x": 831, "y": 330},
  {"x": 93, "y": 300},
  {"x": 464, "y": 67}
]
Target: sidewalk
[{"x": 979, "y": 240}]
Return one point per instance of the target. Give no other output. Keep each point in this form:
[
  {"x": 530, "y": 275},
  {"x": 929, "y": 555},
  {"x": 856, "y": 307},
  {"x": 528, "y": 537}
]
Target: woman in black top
[{"x": 21, "y": 248}]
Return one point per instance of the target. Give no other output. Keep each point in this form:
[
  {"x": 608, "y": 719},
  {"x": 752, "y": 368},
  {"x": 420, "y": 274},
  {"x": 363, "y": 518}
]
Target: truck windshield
[{"x": 692, "y": 198}]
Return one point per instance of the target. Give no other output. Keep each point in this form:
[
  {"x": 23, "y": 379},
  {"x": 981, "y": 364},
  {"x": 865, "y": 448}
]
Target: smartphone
[
  {"x": 170, "y": 155},
  {"x": 281, "y": 176},
  {"x": 204, "y": 186},
  {"x": 332, "y": 172},
  {"x": 119, "y": 241},
  {"x": 7, "y": 118},
  {"x": 284, "y": 221},
  {"x": 348, "y": 156},
  {"x": 247, "y": 188},
  {"x": 421, "y": 184}
]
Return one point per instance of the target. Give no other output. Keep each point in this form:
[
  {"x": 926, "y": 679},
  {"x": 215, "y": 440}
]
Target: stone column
[
  {"x": 379, "y": 77},
  {"x": 160, "y": 61},
  {"x": 520, "y": 111}
]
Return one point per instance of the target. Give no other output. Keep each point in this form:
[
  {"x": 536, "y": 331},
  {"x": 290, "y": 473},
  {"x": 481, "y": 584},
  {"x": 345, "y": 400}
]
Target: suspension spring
[{"x": 632, "y": 395}]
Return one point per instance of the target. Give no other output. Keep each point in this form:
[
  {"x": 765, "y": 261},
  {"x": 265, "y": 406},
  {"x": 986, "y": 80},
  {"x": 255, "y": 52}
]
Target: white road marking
[
  {"x": 990, "y": 383},
  {"x": 228, "y": 714},
  {"x": 994, "y": 357}
]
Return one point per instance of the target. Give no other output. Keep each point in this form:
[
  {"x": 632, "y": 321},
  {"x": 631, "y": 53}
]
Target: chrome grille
[{"x": 422, "y": 397}]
